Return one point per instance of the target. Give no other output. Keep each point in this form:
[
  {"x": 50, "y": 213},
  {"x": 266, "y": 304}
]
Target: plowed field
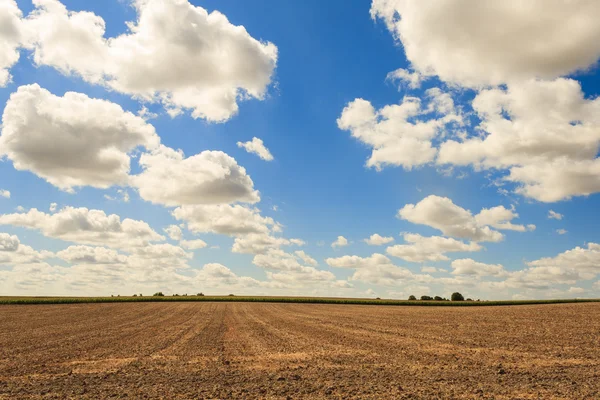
[{"x": 280, "y": 351}]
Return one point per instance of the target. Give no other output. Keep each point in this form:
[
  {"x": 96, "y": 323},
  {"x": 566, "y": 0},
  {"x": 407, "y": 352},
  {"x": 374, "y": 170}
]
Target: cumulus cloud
[
  {"x": 81, "y": 225},
  {"x": 91, "y": 255},
  {"x": 554, "y": 215},
  {"x": 256, "y": 146},
  {"x": 287, "y": 266},
  {"x": 340, "y": 242},
  {"x": 211, "y": 177},
  {"x": 467, "y": 266},
  {"x": 12, "y": 252},
  {"x": 224, "y": 219},
  {"x": 412, "y": 79},
  {"x": 399, "y": 134},
  {"x": 561, "y": 231},
  {"x": 257, "y": 243},
  {"x": 174, "y": 232},
  {"x": 72, "y": 140},
  {"x": 468, "y": 42},
  {"x": 585, "y": 260},
  {"x": 378, "y": 240},
  {"x": 5, "y": 193},
  {"x": 10, "y": 38},
  {"x": 425, "y": 249},
  {"x": 452, "y": 220},
  {"x": 308, "y": 260},
  {"x": 545, "y": 133},
  {"x": 174, "y": 53},
  {"x": 376, "y": 269},
  {"x": 193, "y": 244}
]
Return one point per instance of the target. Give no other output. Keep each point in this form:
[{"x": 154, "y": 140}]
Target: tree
[
  {"x": 412, "y": 297},
  {"x": 158, "y": 294},
  {"x": 438, "y": 298},
  {"x": 457, "y": 297},
  {"x": 426, "y": 298}
]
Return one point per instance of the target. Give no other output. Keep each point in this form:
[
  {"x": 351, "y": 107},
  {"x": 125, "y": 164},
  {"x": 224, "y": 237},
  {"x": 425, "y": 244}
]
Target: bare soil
[{"x": 293, "y": 351}]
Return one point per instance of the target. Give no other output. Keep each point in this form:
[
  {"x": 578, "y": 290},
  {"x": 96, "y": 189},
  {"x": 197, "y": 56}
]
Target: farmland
[{"x": 208, "y": 349}]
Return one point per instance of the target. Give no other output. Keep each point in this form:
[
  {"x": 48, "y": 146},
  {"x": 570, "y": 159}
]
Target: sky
[{"x": 356, "y": 149}]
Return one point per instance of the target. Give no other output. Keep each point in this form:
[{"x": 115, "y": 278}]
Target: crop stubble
[{"x": 262, "y": 350}]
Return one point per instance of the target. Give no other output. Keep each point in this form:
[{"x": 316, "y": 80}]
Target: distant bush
[
  {"x": 412, "y": 297},
  {"x": 426, "y": 298},
  {"x": 200, "y": 294},
  {"x": 158, "y": 294},
  {"x": 134, "y": 295},
  {"x": 457, "y": 297},
  {"x": 231, "y": 295},
  {"x": 469, "y": 299},
  {"x": 438, "y": 298}
]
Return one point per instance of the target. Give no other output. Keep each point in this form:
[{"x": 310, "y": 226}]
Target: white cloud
[
  {"x": 576, "y": 290},
  {"x": 584, "y": 260},
  {"x": 193, "y": 244},
  {"x": 256, "y": 146},
  {"x": 211, "y": 177},
  {"x": 53, "y": 207},
  {"x": 499, "y": 217},
  {"x": 412, "y": 79},
  {"x": 425, "y": 249},
  {"x": 13, "y": 252},
  {"x": 81, "y": 225},
  {"x": 376, "y": 269},
  {"x": 442, "y": 214},
  {"x": 399, "y": 134},
  {"x": 308, "y": 260},
  {"x": 175, "y": 53},
  {"x": 5, "y": 193},
  {"x": 467, "y": 266},
  {"x": 554, "y": 215},
  {"x": 545, "y": 133},
  {"x": 72, "y": 140},
  {"x": 10, "y": 38},
  {"x": 378, "y": 240},
  {"x": 224, "y": 219},
  {"x": 257, "y": 243},
  {"x": 174, "y": 232},
  {"x": 91, "y": 255},
  {"x": 340, "y": 242},
  {"x": 490, "y": 42},
  {"x": 561, "y": 231},
  {"x": 278, "y": 260},
  {"x": 429, "y": 270}
]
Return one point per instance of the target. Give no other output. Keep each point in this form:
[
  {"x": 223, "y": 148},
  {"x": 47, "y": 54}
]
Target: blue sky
[{"x": 319, "y": 184}]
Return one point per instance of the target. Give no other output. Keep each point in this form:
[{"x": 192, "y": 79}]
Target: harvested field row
[{"x": 208, "y": 350}]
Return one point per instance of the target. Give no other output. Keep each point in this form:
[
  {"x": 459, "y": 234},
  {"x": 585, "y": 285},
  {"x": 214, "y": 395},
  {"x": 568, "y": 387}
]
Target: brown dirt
[{"x": 280, "y": 351}]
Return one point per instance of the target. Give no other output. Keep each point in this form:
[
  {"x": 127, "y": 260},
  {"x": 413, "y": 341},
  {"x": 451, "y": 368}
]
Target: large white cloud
[
  {"x": 225, "y": 219},
  {"x": 467, "y": 266},
  {"x": 489, "y": 42},
  {"x": 10, "y": 38},
  {"x": 81, "y": 225},
  {"x": 545, "y": 133},
  {"x": 424, "y": 249},
  {"x": 376, "y": 269},
  {"x": 452, "y": 220},
  {"x": 400, "y": 134},
  {"x": 13, "y": 252},
  {"x": 175, "y": 53},
  {"x": 211, "y": 177},
  {"x": 72, "y": 140}
]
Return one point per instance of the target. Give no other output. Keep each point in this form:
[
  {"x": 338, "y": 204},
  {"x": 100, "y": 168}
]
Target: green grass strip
[{"x": 266, "y": 299}]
